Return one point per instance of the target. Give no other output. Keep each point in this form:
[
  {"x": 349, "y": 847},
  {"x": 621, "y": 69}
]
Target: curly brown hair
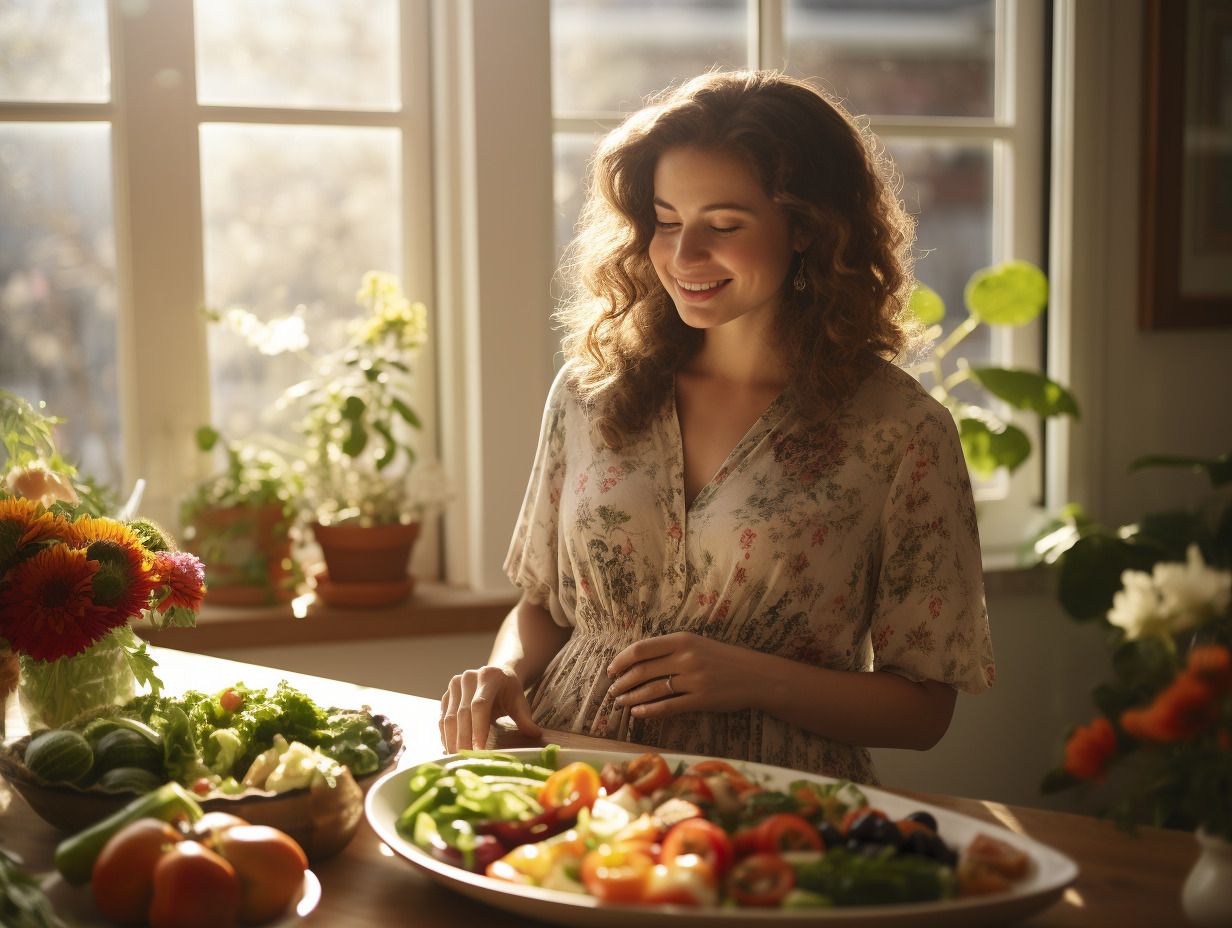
[{"x": 835, "y": 183}]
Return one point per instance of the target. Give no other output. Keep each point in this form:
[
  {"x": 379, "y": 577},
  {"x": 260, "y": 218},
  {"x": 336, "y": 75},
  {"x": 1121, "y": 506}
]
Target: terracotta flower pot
[
  {"x": 365, "y": 565},
  {"x": 247, "y": 553}
]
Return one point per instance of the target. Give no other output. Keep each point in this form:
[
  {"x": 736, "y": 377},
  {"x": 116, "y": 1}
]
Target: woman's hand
[
  {"x": 684, "y": 672},
  {"x": 476, "y": 698}
]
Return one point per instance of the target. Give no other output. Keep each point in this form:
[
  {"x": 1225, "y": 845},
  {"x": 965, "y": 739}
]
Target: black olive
[
  {"x": 830, "y": 835},
  {"x": 865, "y": 827},
  {"x": 924, "y": 818}
]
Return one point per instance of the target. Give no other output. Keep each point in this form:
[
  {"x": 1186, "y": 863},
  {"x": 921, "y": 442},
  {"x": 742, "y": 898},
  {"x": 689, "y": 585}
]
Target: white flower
[
  {"x": 38, "y": 482},
  {"x": 1191, "y": 594},
  {"x": 1135, "y": 607},
  {"x": 275, "y": 337}
]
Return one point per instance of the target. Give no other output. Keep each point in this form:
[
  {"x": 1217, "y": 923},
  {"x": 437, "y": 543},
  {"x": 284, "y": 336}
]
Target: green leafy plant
[
  {"x": 1010, "y": 294},
  {"x": 356, "y": 413},
  {"x": 253, "y": 476}
]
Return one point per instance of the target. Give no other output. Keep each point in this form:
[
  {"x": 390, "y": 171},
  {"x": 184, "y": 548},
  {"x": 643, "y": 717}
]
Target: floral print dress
[{"x": 849, "y": 543}]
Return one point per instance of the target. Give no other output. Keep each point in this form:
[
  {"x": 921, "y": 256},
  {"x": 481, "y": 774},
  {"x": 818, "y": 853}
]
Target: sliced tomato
[
  {"x": 720, "y": 768},
  {"x": 616, "y": 874},
  {"x": 760, "y": 880},
  {"x": 702, "y": 838},
  {"x": 858, "y": 812},
  {"x": 570, "y": 789},
  {"x": 686, "y": 880},
  {"x": 694, "y": 789},
  {"x": 744, "y": 841},
  {"x": 612, "y": 777},
  {"x": 648, "y": 773},
  {"x": 786, "y": 831}
]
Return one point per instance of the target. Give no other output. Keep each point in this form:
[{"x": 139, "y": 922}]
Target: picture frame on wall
[{"x": 1186, "y": 224}]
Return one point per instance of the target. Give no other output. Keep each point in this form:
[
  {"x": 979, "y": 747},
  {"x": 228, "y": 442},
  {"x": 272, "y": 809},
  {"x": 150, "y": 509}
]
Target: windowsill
[{"x": 433, "y": 609}]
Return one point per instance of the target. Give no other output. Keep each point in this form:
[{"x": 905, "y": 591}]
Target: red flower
[
  {"x": 1212, "y": 664},
  {"x": 1089, "y": 749},
  {"x": 49, "y": 610},
  {"x": 1186, "y": 708},
  {"x": 183, "y": 576}
]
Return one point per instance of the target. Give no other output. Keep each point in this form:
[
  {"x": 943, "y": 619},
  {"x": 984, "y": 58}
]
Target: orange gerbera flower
[
  {"x": 184, "y": 576},
  {"x": 125, "y": 568},
  {"x": 1089, "y": 749},
  {"x": 49, "y": 610},
  {"x": 24, "y": 522},
  {"x": 1187, "y": 707},
  {"x": 1212, "y": 664}
]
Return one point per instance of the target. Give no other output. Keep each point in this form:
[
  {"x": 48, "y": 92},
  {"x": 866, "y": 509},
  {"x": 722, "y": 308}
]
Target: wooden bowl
[{"x": 322, "y": 819}]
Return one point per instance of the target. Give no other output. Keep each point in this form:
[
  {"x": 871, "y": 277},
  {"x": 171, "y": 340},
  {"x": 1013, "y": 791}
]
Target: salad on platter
[{"x": 645, "y": 831}]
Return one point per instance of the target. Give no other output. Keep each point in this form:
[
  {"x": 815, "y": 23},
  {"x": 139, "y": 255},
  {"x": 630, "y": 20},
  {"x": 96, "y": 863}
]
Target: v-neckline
[{"x": 759, "y": 427}]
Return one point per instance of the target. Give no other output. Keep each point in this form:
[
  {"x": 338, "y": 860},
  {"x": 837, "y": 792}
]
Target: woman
[{"x": 746, "y": 533}]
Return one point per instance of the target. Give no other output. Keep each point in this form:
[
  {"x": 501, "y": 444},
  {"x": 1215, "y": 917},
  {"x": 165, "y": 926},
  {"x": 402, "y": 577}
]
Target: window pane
[
  {"x": 897, "y": 57},
  {"x": 572, "y": 156},
  {"x": 57, "y": 285},
  {"x": 54, "y": 50},
  {"x": 608, "y": 55},
  {"x": 300, "y": 53},
  {"x": 294, "y": 216}
]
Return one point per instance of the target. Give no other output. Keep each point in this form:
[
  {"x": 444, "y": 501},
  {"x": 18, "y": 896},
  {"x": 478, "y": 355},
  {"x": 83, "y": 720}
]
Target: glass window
[
  {"x": 293, "y": 216},
  {"x": 57, "y": 284},
  {"x": 608, "y": 55},
  {"x": 54, "y": 50},
  {"x": 298, "y": 53},
  {"x": 897, "y": 57}
]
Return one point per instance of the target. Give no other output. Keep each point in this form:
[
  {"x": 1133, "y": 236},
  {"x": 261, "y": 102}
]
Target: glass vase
[
  {"x": 52, "y": 693},
  {"x": 1207, "y": 893}
]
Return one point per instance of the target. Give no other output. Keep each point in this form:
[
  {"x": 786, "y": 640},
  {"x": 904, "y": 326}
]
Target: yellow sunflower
[
  {"x": 125, "y": 577},
  {"x": 24, "y": 522}
]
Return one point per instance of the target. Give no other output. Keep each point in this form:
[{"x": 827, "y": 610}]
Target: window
[
  {"x": 159, "y": 158},
  {"x": 954, "y": 88}
]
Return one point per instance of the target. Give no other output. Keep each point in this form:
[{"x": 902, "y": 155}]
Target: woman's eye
[
  {"x": 727, "y": 231},
  {"x": 666, "y": 225}
]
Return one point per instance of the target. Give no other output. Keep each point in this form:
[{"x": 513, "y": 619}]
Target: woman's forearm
[
  {"x": 527, "y": 641},
  {"x": 877, "y": 710}
]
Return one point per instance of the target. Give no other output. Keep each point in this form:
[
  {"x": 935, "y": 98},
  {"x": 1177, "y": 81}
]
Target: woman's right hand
[{"x": 475, "y": 699}]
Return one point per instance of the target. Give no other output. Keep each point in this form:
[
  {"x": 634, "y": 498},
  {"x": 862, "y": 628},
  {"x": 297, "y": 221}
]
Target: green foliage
[
  {"x": 1009, "y": 294},
  {"x": 253, "y": 475}
]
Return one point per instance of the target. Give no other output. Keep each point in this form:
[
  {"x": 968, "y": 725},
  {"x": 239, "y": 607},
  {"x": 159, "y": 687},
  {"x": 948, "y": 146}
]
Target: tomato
[
  {"x": 616, "y": 874},
  {"x": 531, "y": 863},
  {"x": 702, "y": 838},
  {"x": 612, "y": 777},
  {"x": 123, "y": 878},
  {"x": 687, "y": 880},
  {"x": 908, "y": 826},
  {"x": 760, "y": 880},
  {"x": 208, "y": 827},
  {"x": 202, "y": 785},
  {"x": 810, "y": 801},
  {"x": 230, "y": 700},
  {"x": 978, "y": 878},
  {"x": 744, "y": 841},
  {"x": 720, "y": 768},
  {"x": 194, "y": 888},
  {"x": 569, "y": 789},
  {"x": 786, "y": 831},
  {"x": 270, "y": 866},
  {"x": 648, "y": 773},
  {"x": 858, "y": 812},
  {"x": 694, "y": 789}
]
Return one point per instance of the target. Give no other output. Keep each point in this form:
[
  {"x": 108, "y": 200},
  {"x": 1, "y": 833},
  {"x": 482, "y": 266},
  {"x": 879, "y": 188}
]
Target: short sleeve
[
  {"x": 533, "y": 559},
  {"x": 930, "y": 621}
]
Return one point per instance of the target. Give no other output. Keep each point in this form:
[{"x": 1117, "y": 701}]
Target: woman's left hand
[{"x": 684, "y": 672}]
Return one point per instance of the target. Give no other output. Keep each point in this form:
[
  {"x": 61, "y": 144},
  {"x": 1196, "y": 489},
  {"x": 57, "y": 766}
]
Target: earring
[{"x": 801, "y": 281}]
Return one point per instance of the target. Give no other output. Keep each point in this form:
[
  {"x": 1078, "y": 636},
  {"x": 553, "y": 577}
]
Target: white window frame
[{"x": 156, "y": 181}]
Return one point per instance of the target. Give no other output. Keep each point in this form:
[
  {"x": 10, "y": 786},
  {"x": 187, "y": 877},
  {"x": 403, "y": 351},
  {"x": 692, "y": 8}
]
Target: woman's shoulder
[{"x": 890, "y": 394}]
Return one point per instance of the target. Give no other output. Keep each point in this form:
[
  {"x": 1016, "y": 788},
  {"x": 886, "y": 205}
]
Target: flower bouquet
[
  {"x": 1161, "y": 744},
  {"x": 69, "y": 587}
]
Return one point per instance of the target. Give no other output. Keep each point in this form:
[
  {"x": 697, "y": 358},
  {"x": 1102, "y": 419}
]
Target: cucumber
[
  {"x": 75, "y": 855},
  {"x": 127, "y": 748},
  {"x": 130, "y": 779},
  {"x": 60, "y": 756}
]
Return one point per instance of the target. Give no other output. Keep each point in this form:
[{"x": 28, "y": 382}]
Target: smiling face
[{"x": 721, "y": 247}]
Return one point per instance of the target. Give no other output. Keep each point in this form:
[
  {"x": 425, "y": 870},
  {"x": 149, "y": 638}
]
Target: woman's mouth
[{"x": 700, "y": 289}]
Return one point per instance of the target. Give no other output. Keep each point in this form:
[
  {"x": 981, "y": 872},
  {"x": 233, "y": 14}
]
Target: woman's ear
[{"x": 801, "y": 240}]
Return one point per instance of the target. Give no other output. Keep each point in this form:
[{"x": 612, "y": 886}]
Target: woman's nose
[{"x": 691, "y": 248}]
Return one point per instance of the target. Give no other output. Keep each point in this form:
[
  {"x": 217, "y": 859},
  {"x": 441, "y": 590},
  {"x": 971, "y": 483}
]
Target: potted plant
[
  {"x": 365, "y": 487},
  {"x": 239, "y": 522}
]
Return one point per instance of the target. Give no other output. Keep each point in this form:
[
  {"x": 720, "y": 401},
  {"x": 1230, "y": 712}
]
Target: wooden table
[{"x": 1124, "y": 881}]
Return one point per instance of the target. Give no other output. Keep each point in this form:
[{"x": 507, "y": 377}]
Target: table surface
[{"x": 1123, "y": 880}]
